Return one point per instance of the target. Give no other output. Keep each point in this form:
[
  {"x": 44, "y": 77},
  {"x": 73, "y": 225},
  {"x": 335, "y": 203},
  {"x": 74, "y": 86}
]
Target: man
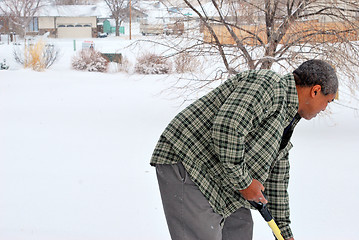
[{"x": 232, "y": 144}]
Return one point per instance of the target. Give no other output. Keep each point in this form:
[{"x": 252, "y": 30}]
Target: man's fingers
[
  {"x": 254, "y": 192},
  {"x": 262, "y": 199}
]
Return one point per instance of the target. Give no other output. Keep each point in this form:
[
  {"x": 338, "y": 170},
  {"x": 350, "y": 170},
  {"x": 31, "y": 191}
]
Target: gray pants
[{"x": 189, "y": 215}]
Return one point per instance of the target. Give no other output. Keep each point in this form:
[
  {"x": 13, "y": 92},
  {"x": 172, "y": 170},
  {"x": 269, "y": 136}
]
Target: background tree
[
  {"x": 74, "y": 2},
  {"x": 262, "y": 34},
  {"x": 20, "y": 13},
  {"x": 120, "y": 11}
]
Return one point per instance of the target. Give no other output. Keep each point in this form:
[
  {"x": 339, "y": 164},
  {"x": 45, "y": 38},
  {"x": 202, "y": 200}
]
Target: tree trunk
[{"x": 117, "y": 27}]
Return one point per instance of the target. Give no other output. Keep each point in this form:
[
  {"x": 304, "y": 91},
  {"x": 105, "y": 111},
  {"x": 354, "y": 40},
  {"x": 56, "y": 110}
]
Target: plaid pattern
[{"x": 233, "y": 134}]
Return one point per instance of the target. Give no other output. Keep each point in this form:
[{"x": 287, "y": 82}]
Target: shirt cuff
[
  {"x": 286, "y": 232},
  {"x": 244, "y": 183}
]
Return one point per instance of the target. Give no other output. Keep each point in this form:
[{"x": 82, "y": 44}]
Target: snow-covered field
[{"x": 75, "y": 150}]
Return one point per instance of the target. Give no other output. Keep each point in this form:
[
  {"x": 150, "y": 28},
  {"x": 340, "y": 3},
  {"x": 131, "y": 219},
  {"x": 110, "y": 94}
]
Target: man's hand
[
  {"x": 254, "y": 192},
  {"x": 290, "y": 239}
]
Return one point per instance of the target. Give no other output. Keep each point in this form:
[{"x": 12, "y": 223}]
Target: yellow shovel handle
[{"x": 275, "y": 229}]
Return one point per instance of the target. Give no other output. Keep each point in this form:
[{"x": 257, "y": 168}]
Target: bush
[
  {"x": 89, "y": 60},
  {"x": 153, "y": 64},
  {"x": 186, "y": 62},
  {"x": 36, "y": 56}
]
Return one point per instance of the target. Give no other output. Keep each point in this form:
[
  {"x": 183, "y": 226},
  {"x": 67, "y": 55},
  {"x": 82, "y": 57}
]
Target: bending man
[{"x": 233, "y": 143}]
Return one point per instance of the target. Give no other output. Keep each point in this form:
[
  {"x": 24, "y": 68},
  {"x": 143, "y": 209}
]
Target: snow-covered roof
[
  {"x": 73, "y": 11},
  {"x": 157, "y": 11}
]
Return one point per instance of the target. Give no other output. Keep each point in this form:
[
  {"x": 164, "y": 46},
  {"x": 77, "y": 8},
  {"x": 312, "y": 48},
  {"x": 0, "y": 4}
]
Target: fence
[{"x": 300, "y": 32}]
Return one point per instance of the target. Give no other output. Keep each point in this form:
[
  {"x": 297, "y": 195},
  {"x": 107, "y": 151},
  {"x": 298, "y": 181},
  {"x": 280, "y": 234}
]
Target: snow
[
  {"x": 75, "y": 151},
  {"x": 72, "y": 11}
]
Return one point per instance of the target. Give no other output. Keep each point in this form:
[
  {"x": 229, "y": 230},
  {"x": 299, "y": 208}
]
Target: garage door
[{"x": 70, "y": 31}]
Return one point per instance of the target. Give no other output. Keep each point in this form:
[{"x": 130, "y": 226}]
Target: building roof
[{"x": 73, "y": 11}]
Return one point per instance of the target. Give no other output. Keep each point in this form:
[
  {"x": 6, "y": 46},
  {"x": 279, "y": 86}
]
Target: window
[
  {"x": 78, "y": 25},
  {"x": 61, "y": 26},
  {"x": 70, "y": 25},
  {"x": 33, "y": 25},
  {"x": 87, "y": 25}
]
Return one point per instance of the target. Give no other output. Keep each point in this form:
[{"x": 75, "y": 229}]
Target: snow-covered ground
[{"x": 75, "y": 150}]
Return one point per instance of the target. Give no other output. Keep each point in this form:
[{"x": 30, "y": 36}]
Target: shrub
[
  {"x": 186, "y": 62},
  {"x": 36, "y": 56},
  {"x": 89, "y": 60},
  {"x": 153, "y": 64}
]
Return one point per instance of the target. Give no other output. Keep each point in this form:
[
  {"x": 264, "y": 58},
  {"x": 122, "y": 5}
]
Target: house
[
  {"x": 74, "y": 21},
  {"x": 87, "y": 21},
  {"x": 68, "y": 21},
  {"x": 161, "y": 19}
]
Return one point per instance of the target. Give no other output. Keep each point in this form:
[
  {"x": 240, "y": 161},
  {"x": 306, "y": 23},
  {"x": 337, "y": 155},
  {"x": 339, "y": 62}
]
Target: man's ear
[{"x": 315, "y": 90}]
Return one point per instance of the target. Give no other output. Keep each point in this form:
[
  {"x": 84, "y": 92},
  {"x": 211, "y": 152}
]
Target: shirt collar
[{"x": 292, "y": 95}]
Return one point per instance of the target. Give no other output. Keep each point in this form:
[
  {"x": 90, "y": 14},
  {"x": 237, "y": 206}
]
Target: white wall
[
  {"x": 74, "y": 32},
  {"x": 46, "y": 22}
]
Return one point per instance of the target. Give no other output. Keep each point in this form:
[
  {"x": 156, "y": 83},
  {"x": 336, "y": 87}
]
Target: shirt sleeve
[
  {"x": 277, "y": 192},
  {"x": 240, "y": 114}
]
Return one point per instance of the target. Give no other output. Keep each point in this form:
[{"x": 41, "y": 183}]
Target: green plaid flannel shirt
[{"x": 232, "y": 135}]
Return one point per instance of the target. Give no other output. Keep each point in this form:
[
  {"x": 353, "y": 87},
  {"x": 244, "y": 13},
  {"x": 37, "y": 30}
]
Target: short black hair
[{"x": 317, "y": 72}]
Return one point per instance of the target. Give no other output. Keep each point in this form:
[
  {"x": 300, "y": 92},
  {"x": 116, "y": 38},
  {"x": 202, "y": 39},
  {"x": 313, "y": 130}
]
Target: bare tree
[
  {"x": 257, "y": 34},
  {"x": 20, "y": 12},
  {"x": 119, "y": 10},
  {"x": 75, "y": 2}
]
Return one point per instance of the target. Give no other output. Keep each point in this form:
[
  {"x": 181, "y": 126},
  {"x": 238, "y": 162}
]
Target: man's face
[{"x": 315, "y": 105}]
